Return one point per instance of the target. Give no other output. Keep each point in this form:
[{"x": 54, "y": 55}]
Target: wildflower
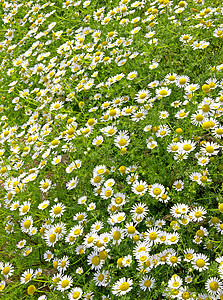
[
  {"x": 7, "y": 270},
  {"x": 95, "y": 261},
  {"x": 200, "y": 262},
  {"x": 210, "y": 148},
  {"x": 122, "y": 286},
  {"x": 57, "y": 210},
  {"x": 45, "y": 185},
  {"x": 147, "y": 283},
  {"x": 75, "y": 293},
  {"x": 139, "y": 187}
]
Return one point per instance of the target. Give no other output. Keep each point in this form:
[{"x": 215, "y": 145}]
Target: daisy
[
  {"x": 50, "y": 237},
  {"x": 63, "y": 264},
  {"x": 56, "y": 160},
  {"x": 210, "y": 148},
  {"x": 106, "y": 192},
  {"x": 203, "y": 161},
  {"x": 109, "y": 130},
  {"x": 163, "y": 131},
  {"x": 117, "y": 235},
  {"x": 79, "y": 271},
  {"x": 127, "y": 260},
  {"x": 26, "y": 276},
  {"x": 7, "y": 270},
  {"x": 48, "y": 255},
  {"x": 45, "y": 185},
  {"x": 56, "y": 105},
  {"x": 122, "y": 140},
  {"x": 82, "y": 216},
  {"x": 2, "y": 285},
  {"x": 163, "y": 114},
  {"x": 26, "y": 224},
  {"x": 187, "y": 146},
  {"x": 152, "y": 235},
  {"x": 57, "y": 210},
  {"x": 139, "y": 115},
  {"x": 122, "y": 286},
  {"x": 181, "y": 114},
  {"x": 197, "y": 118},
  {"x": 173, "y": 260},
  {"x": 130, "y": 230},
  {"x": 142, "y": 96},
  {"x": 175, "y": 282},
  {"x": 178, "y": 185},
  {"x": 72, "y": 183},
  {"x": 44, "y": 204},
  {"x": 97, "y": 226},
  {"x": 132, "y": 75},
  {"x": 95, "y": 261},
  {"x": 75, "y": 293},
  {"x": 182, "y": 81},
  {"x": 24, "y": 208},
  {"x": 118, "y": 199},
  {"x": 198, "y": 214},
  {"x": 162, "y": 92},
  {"x": 156, "y": 190},
  {"x": 98, "y": 140},
  {"x": 139, "y": 187},
  {"x": 21, "y": 244},
  {"x": 200, "y": 262},
  {"x": 214, "y": 286},
  {"x": 218, "y": 132}
]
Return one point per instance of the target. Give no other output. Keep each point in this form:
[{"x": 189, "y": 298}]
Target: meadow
[{"x": 111, "y": 169}]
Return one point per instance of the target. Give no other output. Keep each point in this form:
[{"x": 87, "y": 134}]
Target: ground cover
[{"x": 111, "y": 150}]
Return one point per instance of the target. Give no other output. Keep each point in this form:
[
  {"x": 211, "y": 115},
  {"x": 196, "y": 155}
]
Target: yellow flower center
[
  {"x": 139, "y": 210},
  {"x": 200, "y": 263},
  {"x": 108, "y": 193},
  {"x": 75, "y": 295},
  {"x": 173, "y": 259},
  {"x": 185, "y": 295},
  {"x": 45, "y": 185},
  {"x": 57, "y": 210},
  {"x": 147, "y": 283},
  {"x": 101, "y": 277},
  {"x": 182, "y": 81},
  {"x": 116, "y": 235},
  {"x": 163, "y": 92},
  {"x": 157, "y": 191},
  {"x": 124, "y": 286},
  {"x": 214, "y": 286},
  {"x": 152, "y": 236},
  {"x": 131, "y": 229},
  {"x": 189, "y": 256},
  {"x": 187, "y": 147},
  {"x": 31, "y": 289},
  {"x": 90, "y": 240},
  {"x": 27, "y": 277},
  {"x": 27, "y": 224},
  {"x": 112, "y": 112},
  {"x": 95, "y": 260},
  {"x": 174, "y": 148},
  {"x": 25, "y": 208},
  {"x": 64, "y": 283},
  {"x": 6, "y": 270},
  {"x": 140, "y": 188},
  {"x": 122, "y": 142},
  {"x": 52, "y": 238},
  {"x": 199, "y": 117},
  {"x": 209, "y": 149}
]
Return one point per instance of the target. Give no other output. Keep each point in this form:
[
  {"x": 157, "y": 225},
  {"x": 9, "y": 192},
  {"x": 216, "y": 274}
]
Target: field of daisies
[{"x": 111, "y": 149}]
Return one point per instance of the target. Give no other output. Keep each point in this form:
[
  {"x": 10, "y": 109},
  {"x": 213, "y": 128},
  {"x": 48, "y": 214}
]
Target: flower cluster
[{"x": 111, "y": 150}]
